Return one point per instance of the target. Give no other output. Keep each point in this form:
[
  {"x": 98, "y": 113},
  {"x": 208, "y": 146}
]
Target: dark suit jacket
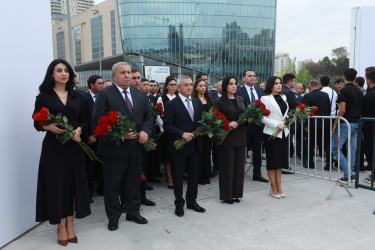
[
  {"x": 321, "y": 100},
  {"x": 291, "y": 97},
  {"x": 177, "y": 120},
  {"x": 110, "y": 99},
  {"x": 90, "y": 113},
  {"x": 243, "y": 92},
  {"x": 237, "y": 137}
]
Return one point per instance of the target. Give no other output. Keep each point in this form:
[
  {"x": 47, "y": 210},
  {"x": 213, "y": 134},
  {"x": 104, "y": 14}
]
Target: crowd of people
[{"x": 67, "y": 180}]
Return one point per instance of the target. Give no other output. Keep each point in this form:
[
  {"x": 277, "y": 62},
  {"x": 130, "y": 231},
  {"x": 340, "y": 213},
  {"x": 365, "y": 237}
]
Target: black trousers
[
  {"x": 94, "y": 172},
  {"x": 368, "y": 144},
  {"x": 231, "y": 175},
  {"x": 254, "y": 143},
  {"x": 122, "y": 174},
  {"x": 319, "y": 143},
  {"x": 205, "y": 161},
  {"x": 190, "y": 162}
]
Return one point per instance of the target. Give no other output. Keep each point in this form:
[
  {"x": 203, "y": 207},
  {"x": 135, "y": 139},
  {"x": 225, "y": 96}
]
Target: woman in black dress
[
  {"x": 200, "y": 92},
  {"x": 62, "y": 190},
  {"x": 169, "y": 93},
  {"x": 277, "y": 148},
  {"x": 231, "y": 154}
]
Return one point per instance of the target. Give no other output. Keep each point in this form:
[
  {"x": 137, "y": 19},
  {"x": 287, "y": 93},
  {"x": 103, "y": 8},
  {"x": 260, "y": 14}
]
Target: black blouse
[{"x": 281, "y": 103}]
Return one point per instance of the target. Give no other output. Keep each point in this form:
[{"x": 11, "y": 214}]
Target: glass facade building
[
  {"x": 113, "y": 32},
  {"x": 60, "y": 44},
  {"x": 77, "y": 43},
  {"x": 97, "y": 38},
  {"x": 218, "y": 37}
]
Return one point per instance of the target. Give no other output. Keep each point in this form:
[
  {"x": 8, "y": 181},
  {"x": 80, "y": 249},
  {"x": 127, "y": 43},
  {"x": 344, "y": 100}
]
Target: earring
[{"x": 52, "y": 79}]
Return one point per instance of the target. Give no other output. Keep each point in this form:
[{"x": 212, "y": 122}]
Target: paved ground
[{"x": 303, "y": 220}]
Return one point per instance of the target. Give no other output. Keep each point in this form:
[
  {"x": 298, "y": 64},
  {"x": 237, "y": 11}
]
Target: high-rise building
[
  {"x": 282, "y": 62},
  {"x": 59, "y": 8},
  {"x": 217, "y": 37}
]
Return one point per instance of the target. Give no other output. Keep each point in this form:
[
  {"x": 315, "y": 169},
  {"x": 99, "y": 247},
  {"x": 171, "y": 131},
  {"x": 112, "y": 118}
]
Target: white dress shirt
[
  {"x": 332, "y": 98},
  {"x": 249, "y": 93},
  {"x": 183, "y": 99},
  {"x": 92, "y": 95},
  {"x": 123, "y": 94}
]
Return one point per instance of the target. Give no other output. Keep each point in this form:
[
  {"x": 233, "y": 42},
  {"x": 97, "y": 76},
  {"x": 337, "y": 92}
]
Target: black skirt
[{"x": 276, "y": 152}]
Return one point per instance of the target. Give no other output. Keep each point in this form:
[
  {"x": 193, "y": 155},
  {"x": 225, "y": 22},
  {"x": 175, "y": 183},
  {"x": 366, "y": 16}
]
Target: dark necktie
[
  {"x": 128, "y": 103},
  {"x": 252, "y": 95},
  {"x": 94, "y": 98}
]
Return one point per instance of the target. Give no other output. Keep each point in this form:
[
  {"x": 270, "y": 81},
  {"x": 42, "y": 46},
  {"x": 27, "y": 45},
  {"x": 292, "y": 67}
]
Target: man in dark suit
[
  {"x": 95, "y": 170},
  {"x": 122, "y": 162},
  {"x": 153, "y": 88},
  {"x": 320, "y": 99},
  {"x": 180, "y": 120},
  {"x": 288, "y": 83},
  {"x": 215, "y": 167},
  {"x": 251, "y": 93}
]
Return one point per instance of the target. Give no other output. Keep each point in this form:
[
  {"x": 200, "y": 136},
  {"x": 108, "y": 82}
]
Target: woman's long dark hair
[
  {"x": 224, "y": 85},
  {"x": 167, "y": 81},
  {"x": 206, "y": 94},
  {"x": 270, "y": 83},
  {"x": 48, "y": 82}
]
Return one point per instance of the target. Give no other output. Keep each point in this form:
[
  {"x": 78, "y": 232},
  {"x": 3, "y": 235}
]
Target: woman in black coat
[
  {"x": 200, "y": 92},
  {"x": 62, "y": 190},
  {"x": 231, "y": 154}
]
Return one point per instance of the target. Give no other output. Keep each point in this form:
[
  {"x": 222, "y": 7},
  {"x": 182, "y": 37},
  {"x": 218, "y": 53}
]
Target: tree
[
  {"x": 339, "y": 52},
  {"x": 303, "y": 75}
]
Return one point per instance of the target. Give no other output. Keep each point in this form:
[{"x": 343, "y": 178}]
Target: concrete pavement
[{"x": 303, "y": 220}]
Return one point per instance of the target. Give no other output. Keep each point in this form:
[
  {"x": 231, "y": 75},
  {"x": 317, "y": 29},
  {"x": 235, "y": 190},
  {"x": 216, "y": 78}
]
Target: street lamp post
[{"x": 71, "y": 57}]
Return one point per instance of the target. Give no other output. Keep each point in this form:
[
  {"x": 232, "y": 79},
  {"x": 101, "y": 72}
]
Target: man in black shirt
[
  {"x": 368, "y": 110},
  {"x": 350, "y": 101}
]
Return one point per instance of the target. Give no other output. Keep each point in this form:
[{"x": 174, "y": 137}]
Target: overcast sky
[{"x": 310, "y": 29}]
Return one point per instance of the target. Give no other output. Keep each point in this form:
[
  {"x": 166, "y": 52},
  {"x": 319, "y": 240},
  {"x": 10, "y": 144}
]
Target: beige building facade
[
  {"x": 95, "y": 35},
  {"x": 282, "y": 62}
]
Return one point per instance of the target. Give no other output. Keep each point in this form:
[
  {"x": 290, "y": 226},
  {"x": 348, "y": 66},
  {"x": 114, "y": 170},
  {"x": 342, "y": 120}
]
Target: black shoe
[
  {"x": 214, "y": 173},
  {"x": 99, "y": 193},
  {"x": 154, "y": 180},
  {"x": 236, "y": 200},
  {"x": 196, "y": 207},
  {"x": 179, "y": 212},
  {"x": 91, "y": 200},
  {"x": 260, "y": 178},
  {"x": 284, "y": 171},
  {"x": 202, "y": 183},
  {"x": 170, "y": 187},
  {"x": 326, "y": 168},
  {"x": 112, "y": 225},
  {"x": 147, "y": 202},
  {"x": 312, "y": 166},
  {"x": 137, "y": 219},
  {"x": 228, "y": 201},
  {"x": 344, "y": 179},
  {"x": 149, "y": 188},
  {"x": 122, "y": 207},
  {"x": 159, "y": 174}
]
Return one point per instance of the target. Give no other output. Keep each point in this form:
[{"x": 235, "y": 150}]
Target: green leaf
[{"x": 65, "y": 119}]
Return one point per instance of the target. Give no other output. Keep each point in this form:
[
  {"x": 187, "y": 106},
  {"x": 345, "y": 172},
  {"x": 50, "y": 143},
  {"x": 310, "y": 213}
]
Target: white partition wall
[
  {"x": 362, "y": 49},
  {"x": 25, "y": 52}
]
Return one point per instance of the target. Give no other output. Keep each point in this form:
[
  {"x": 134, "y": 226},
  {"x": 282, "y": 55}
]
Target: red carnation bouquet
[
  {"x": 252, "y": 113},
  {"x": 113, "y": 127},
  {"x": 157, "y": 109},
  {"x": 301, "y": 112},
  {"x": 213, "y": 122},
  {"x": 44, "y": 117}
]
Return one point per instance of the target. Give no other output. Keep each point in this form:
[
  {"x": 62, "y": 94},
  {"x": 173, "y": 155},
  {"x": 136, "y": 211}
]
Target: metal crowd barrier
[
  {"x": 359, "y": 145},
  {"x": 296, "y": 165}
]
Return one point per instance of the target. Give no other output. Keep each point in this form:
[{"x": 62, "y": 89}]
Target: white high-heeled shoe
[
  {"x": 282, "y": 195},
  {"x": 277, "y": 196}
]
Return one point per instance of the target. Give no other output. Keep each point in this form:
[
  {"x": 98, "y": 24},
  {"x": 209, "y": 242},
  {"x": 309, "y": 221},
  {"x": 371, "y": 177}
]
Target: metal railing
[{"x": 358, "y": 157}]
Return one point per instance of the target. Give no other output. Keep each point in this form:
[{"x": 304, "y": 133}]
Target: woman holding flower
[
  {"x": 200, "y": 92},
  {"x": 231, "y": 153},
  {"x": 276, "y": 148},
  {"x": 169, "y": 93},
  {"x": 62, "y": 190}
]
